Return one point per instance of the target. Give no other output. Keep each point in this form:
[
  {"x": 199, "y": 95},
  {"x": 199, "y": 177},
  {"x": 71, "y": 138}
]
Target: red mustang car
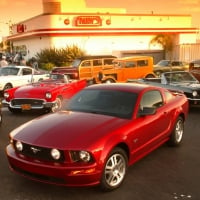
[
  {"x": 104, "y": 129},
  {"x": 46, "y": 95}
]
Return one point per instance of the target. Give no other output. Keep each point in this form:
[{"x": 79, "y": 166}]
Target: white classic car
[{"x": 13, "y": 76}]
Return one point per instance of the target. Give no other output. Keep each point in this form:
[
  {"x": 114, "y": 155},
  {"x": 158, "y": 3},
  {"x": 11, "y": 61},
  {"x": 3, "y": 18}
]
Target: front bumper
[
  {"x": 29, "y": 104},
  {"x": 194, "y": 101},
  {"x": 52, "y": 173}
]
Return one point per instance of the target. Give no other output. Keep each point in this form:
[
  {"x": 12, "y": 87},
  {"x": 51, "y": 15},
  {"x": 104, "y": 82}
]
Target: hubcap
[
  {"x": 179, "y": 131},
  {"x": 57, "y": 105},
  {"x": 115, "y": 170}
]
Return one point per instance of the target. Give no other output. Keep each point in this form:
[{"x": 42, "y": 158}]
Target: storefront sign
[{"x": 88, "y": 21}]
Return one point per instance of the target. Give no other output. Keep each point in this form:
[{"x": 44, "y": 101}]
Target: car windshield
[
  {"x": 180, "y": 77},
  {"x": 106, "y": 102},
  {"x": 5, "y": 71},
  {"x": 163, "y": 63},
  {"x": 76, "y": 63}
]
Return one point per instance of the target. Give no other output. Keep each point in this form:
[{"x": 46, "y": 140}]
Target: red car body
[
  {"x": 47, "y": 95},
  {"x": 96, "y": 138}
]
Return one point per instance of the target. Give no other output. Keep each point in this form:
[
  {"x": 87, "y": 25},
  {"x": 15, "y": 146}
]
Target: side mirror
[{"x": 147, "y": 111}]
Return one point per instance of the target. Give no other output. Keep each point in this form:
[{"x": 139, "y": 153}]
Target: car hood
[
  {"x": 35, "y": 90},
  {"x": 193, "y": 86},
  {"x": 68, "y": 130}
]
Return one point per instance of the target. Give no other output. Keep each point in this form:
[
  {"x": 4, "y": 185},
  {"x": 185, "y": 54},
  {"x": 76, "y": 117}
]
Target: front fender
[{"x": 110, "y": 145}]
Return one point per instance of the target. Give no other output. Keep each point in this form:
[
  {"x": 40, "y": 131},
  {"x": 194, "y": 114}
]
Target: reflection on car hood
[
  {"x": 35, "y": 90},
  {"x": 187, "y": 85},
  {"x": 68, "y": 130}
]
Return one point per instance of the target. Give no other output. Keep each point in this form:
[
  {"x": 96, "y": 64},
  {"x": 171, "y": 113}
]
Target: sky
[{"x": 16, "y": 11}]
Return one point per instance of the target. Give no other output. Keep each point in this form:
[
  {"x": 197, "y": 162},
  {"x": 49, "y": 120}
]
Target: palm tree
[{"x": 166, "y": 41}]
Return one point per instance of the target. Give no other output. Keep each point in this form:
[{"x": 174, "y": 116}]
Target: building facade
[{"x": 99, "y": 31}]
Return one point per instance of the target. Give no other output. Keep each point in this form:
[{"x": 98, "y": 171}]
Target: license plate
[{"x": 26, "y": 106}]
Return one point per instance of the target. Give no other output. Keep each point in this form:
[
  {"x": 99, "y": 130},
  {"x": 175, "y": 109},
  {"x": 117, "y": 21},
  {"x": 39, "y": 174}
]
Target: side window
[
  {"x": 108, "y": 61},
  {"x": 86, "y": 63},
  {"x": 130, "y": 64},
  {"x": 97, "y": 62},
  {"x": 142, "y": 63},
  {"x": 151, "y": 99},
  {"x": 26, "y": 71}
]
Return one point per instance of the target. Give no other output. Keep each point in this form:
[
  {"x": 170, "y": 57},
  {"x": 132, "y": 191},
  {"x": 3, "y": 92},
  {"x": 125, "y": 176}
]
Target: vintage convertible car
[
  {"x": 104, "y": 129},
  {"x": 47, "y": 95},
  {"x": 179, "y": 81}
]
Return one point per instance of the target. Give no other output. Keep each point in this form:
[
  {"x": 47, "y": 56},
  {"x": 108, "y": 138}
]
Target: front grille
[
  {"x": 32, "y": 102},
  {"x": 39, "y": 153}
]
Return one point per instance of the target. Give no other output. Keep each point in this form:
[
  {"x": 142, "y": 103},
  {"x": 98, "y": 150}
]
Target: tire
[
  {"x": 158, "y": 73},
  {"x": 7, "y": 86},
  {"x": 114, "y": 170},
  {"x": 109, "y": 81},
  {"x": 150, "y": 76},
  {"x": 15, "y": 111},
  {"x": 177, "y": 133}
]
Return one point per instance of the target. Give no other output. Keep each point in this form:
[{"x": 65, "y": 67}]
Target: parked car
[
  {"x": 46, "y": 95},
  {"x": 127, "y": 67},
  {"x": 1, "y": 117},
  {"x": 104, "y": 129},
  {"x": 194, "y": 68},
  {"x": 86, "y": 67},
  {"x": 13, "y": 76},
  {"x": 179, "y": 81},
  {"x": 170, "y": 65}
]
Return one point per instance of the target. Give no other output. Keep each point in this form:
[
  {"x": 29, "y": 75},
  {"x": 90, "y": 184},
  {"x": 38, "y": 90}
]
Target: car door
[
  {"x": 85, "y": 69},
  {"x": 130, "y": 70},
  {"x": 27, "y": 76},
  {"x": 149, "y": 131},
  {"x": 24, "y": 77}
]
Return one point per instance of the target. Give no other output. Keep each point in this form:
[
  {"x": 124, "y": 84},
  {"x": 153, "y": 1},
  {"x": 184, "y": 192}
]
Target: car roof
[
  {"x": 132, "y": 57},
  {"x": 132, "y": 87},
  {"x": 95, "y": 57},
  {"x": 196, "y": 61}
]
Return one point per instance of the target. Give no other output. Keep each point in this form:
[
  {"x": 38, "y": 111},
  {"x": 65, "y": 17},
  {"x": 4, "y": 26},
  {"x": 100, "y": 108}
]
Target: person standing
[
  {"x": 3, "y": 62},
  {"x": 34, "y": 64}
]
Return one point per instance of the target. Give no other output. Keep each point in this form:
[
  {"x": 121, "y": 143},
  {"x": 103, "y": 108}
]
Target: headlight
[
  {"x": 55, "y": 153},
  {"x": 19, "y": 146},
  {"x": 81, "y": 156},
  {"x": 48, "y": 95},
  {"x": 194, "y": 93},
  {"x": 6, "y": 95}
]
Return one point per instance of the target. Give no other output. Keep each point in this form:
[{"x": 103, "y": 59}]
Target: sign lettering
[{"x": 88, "y": 21}]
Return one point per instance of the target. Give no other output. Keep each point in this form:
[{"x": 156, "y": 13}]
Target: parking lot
[{"x": 165, "y": 174}]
